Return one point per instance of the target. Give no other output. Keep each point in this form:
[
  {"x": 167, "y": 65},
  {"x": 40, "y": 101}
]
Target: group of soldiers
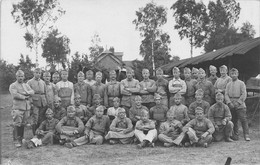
[{"x": 190, "y": 112}]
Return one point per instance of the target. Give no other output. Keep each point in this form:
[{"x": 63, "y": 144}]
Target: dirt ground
[{"x": 241, "y": 152}]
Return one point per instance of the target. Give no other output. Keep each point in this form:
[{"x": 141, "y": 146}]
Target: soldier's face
[
  {"x": 99, "y": 112},
  {"x": 97, "y": 101},
  {"x": 55, "y": 78},
  {"x": 89, "y": 76},
  {"x": 116, "y": 104},
  {"x": 212, "y": 71},
  {"x": 98, "y": 78},
  {"x": 157, "y": 101},
  {"x": 56, "y": 103},
  {"x": 47, "y": 77},
  {"x": 138, "y": 101},
  {"x": 198, "y": 97},
  {"x": 112, "y": 76},
  {"x": 144, "y": 117},
  {"x": 170, "y": 116},
  {"x": 121, "y": 115},
  {"x": 195, "y": 74},
  {"x": 202, "y": 75},
  {"x": 219, "y": 100},
  {"x": 49, "y": 116},
  {"x": 199, "y": 115},
  {"x": 20, "y": 78},
  {"x": 234, "y": 75},
  {"x": 71, "y": 114},
  {"x": 159, "y": 75},
  {"x": 81, "y": 78},
  {"x": 64, "y": 75},
  {"x": 145, "y": 74},
  {"x": 77, "y": 100},
  {"x": 177, "y": 100},
  {"x": 37, "y": 74},
  {"x": 223, "y": 71},
  {"x": 176, "y": 74},
  {"x": 129, "y": 74},
  {"x": 187, "y": 74}
]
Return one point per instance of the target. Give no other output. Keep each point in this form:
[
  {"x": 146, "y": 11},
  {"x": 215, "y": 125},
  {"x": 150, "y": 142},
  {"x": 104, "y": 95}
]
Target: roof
[
  {"x": 108, "y": 53},
  {"x": 238, "y": 49},
  {"x": 128, "y": 63}
]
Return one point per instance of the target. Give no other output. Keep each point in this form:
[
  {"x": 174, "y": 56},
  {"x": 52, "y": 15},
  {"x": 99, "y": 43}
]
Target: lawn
[{"x": 241, "y": 152}]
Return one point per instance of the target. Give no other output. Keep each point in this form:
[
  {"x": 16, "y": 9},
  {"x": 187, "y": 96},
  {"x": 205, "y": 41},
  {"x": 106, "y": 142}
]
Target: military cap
[
  {"x": 121, "y": 110},
  {"x": 186, "y": 69},
  {"x": 218, "y": 95},
  {"x": 49, "y": 111},
  {"x": 98, "y": 74},
  {"x": 56, "y": 98},
  {"x": 71, "y": 109},
  {"x": 81, "y": 73},
  {"x": 177, "y": 95},
  {"x": 116, "y": 99},
  {"x": 176, "y": 69},
  {"x": 199, "y": 110},
  {"x": 159, "y": 70},
  {"x": 223, "y": 67},
  {"x": 96, "y": 96},
  {"x": 199, "y": 91},
  {"x": 201, "y": 70},
  {"x": 157, "y": 96},
  {"x": 194, "y": 70},
  {"x": 233, "y": 70},
  {"x": 19, "y": 72}
]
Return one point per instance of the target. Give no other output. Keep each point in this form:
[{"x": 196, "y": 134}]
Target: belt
[{"x": 39, "y": 93}]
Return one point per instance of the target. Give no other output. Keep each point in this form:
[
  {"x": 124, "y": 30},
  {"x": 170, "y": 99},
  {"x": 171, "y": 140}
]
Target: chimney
[{"x": 119, "y": 55}]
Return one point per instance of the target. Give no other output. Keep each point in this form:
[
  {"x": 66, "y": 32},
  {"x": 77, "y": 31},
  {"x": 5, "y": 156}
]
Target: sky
[{"x": 112, "y": 20}]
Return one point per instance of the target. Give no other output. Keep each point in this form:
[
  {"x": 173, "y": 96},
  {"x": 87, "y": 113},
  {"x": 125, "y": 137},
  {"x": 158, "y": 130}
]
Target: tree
[
  {"x": 95, "y": 48},
  {"x": 55, "y": 48},
  {"x": 160, "y": 48},
  {"x": 78, "y": 63},
  {"x": 247, "y": 30},
  {"x": 148, "y": 22},
  {"x": 7, "y": 75},
  {"x": 223, "y": 14},
  {"x": 26, "y": 65},
  {"x": 36, "y": 16},
  {"x": 112, "y": 49},
  {"x": 191, "y": 21}
]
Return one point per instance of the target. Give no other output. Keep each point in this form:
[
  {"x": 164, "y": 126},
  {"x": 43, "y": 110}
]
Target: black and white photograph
[{"x": 107, "y": 82}]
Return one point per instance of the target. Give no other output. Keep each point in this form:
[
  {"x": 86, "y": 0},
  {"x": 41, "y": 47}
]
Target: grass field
[{"x": 241, "y": 152}]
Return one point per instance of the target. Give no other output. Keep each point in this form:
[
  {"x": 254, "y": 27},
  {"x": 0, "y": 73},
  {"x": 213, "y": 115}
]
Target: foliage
[
  {"x": 78, "y": 63},
  {"x": 112, "y": 49},
  {"x": 26, "y": 65},
  {"x": 160, "y": 47},
  {"x": 55, "y": 48},
  {"x": 7, "y": 75},
  {"x": 223, "y": 13},
  {"x": 95, "y": 48},
  {"x": 247, "y": 30},
  {"x": 36, "y": 16},
  {"x": 191, "y": 21},
  {"x": 155, "y": 45}
]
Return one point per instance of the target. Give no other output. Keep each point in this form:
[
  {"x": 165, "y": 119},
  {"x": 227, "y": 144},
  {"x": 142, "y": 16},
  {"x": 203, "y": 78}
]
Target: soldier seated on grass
[
  {"x": 70, "y": 127},
  {"x": 169, "y": 130},
  {"x": 199, "y": 130},
  {"x": 145, "y": 130},
  {"x": 46, "y": 133},
  {"x": 95, "y": 130},
  {"x": 121, "y": 129}
]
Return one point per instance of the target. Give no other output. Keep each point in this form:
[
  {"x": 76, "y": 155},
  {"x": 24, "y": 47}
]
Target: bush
[{"x": 7, "y": 75}]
